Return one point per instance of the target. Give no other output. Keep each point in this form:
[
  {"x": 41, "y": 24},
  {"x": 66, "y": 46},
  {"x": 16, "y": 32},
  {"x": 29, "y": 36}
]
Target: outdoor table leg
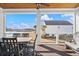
[{"x": 18, "y": 49}]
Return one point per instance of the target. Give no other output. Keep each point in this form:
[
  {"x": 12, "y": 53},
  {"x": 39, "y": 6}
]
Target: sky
[{"x": 20, "y": 21}]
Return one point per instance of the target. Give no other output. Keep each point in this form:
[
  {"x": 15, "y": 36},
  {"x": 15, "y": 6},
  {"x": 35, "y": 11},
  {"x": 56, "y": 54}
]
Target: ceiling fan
[{"x": 39, "y": 5}]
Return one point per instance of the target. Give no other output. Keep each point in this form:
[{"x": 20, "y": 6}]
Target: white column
[
  {"x": 74, "y": 25},
  {"x": 1, "y": 23},
  {"x": 38, "y": 27}
]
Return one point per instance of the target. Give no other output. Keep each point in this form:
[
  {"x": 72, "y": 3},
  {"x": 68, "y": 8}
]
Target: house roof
[{"x": 57, "y": 23}]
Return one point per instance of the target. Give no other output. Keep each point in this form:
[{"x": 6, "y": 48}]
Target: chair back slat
[{"x": 11, "y": 45}]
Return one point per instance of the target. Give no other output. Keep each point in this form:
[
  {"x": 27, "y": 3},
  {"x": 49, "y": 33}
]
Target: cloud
[
  {"x": 46, "y": 17},
  {"x": 12, "y": 26},
  {"x": 19, "y": 26},
  {"x": 68, "y": 16},
  {"x": 24, "y": 25},
  {"x": 42, "y": 23}
]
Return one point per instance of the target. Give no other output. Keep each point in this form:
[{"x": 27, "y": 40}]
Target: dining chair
[
  {"x": 10, "y": 46},
  {"x": 25, "y": 35},
  {"x": 31, "y": 48},
  {"x": 16, "y": 35},
  {"x": 0, "y": 49}
]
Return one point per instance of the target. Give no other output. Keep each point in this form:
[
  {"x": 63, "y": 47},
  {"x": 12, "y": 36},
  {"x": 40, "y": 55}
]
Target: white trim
[
  {"x": 43, "y": 10},
  {"x": 57, "y": 10},
  {"x": 19, "y": 11}
]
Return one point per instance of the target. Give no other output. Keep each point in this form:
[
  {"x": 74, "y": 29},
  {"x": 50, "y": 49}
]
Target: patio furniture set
[{"x": 17, "y": 46}]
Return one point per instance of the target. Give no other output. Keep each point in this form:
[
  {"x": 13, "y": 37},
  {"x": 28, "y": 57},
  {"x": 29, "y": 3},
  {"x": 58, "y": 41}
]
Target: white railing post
[{"x": 57, "y": 38}]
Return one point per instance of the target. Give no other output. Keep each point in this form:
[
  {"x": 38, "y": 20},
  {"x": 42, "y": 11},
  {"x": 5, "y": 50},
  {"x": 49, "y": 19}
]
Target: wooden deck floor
[
  {"x": 55, "y": 49},
  {"x": 50, "y": 41}
]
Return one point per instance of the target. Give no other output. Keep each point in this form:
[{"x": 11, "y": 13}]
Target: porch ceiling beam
[{"x": 33, "y": 5}]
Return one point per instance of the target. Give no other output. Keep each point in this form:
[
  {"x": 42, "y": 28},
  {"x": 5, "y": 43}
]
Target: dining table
[
  {"x": 22, "y": 42},
  {"x": 23, "y": 39}
]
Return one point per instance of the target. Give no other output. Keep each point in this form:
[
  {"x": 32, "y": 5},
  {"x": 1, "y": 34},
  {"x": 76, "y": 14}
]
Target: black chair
[
  {"x": 25, "y": 35},
  {"x": 31, "y": 48},
  {"x": 10, "y": 47},
  {"x": 16, "y": 35},
  {"x": 0, "y": 49}
]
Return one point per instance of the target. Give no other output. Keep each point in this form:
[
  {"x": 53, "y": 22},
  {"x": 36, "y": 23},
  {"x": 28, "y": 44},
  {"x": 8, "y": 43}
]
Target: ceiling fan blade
[
  {"x": 41, "y": 4},
  {"x": 45, "y": 4}
]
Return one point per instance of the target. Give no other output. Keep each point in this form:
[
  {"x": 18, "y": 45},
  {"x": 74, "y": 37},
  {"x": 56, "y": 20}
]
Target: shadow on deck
[{"x": 57, "y": 51}]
